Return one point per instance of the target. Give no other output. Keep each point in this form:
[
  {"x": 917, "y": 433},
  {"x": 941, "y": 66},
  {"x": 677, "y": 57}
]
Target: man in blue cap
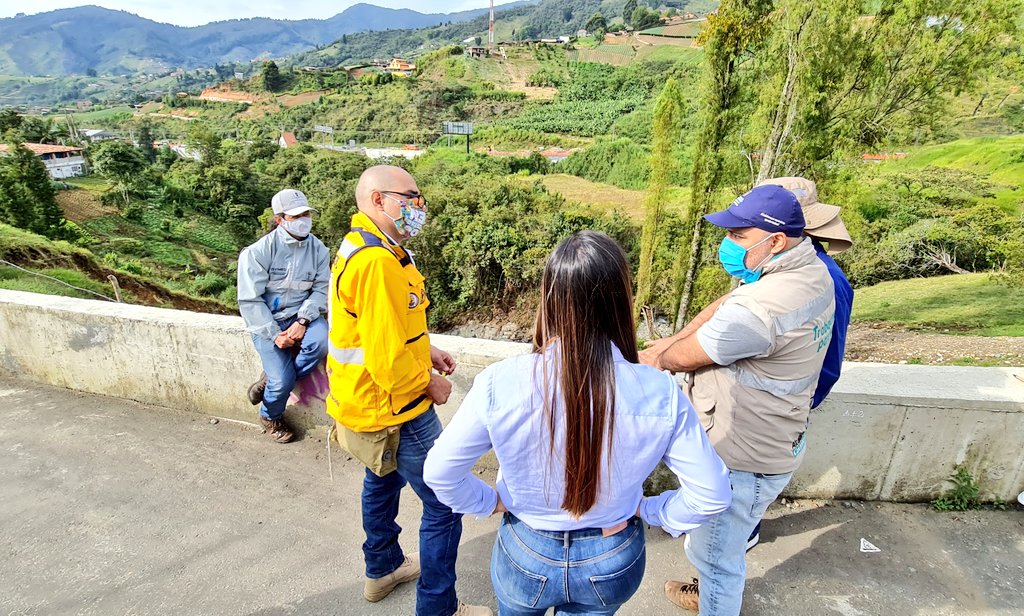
[{"x": 754, "y": 357}]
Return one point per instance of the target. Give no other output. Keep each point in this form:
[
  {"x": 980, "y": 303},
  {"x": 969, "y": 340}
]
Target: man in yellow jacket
[{"x": 383, "y": 385}]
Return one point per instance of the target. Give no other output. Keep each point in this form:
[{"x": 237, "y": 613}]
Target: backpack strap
[{"x": 349, "y": 249}]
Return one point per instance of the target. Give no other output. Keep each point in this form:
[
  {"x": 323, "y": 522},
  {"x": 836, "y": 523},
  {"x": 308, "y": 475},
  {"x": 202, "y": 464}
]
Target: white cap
[{"x": 290, "y": 202}]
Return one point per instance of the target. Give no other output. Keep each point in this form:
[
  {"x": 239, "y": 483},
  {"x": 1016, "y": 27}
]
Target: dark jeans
[
  {"x": 440, "y": 528},
  {"x": 576, "y": 572}
]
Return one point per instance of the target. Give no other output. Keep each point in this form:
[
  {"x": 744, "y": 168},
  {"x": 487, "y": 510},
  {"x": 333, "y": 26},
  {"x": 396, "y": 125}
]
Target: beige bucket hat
[{"x": 822, "y": 220}]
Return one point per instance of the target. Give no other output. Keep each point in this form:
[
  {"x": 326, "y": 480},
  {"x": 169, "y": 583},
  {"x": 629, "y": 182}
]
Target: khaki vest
[{"x": 755, "y": 410}]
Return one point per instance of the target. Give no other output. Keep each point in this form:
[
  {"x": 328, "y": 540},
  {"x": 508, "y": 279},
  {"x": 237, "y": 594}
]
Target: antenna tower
[{"x": 490, "y": 29}]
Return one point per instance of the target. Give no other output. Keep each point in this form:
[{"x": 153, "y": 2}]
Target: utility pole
[{"x": 490, "y": 33}]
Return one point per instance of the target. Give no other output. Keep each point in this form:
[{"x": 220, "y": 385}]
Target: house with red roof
[
  {"x": 60, "y": 160},
  {"x": 287, "y": 140}
]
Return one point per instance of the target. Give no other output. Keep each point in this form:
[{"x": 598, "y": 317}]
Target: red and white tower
[{"x": 490, "y": 29}]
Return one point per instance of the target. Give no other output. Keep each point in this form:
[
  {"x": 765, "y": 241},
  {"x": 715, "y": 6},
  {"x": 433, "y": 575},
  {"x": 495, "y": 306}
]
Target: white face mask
[{"x": 300, "y": 227}]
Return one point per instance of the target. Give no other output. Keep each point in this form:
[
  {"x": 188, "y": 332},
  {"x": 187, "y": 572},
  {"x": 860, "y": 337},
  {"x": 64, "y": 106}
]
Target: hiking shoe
[
  {"x": 754, "y": 537},
  {"x": 375, "y": 590},
  {"x": 256, "y": 390},
  {"x": 472, "y": 610},
  {"x": 277, "y": 429},
  {"x": 683, "y": 595}
]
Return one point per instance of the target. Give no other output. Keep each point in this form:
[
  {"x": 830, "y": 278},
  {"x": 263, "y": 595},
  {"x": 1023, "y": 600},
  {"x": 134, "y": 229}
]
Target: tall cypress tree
[{"x": 668, "y": 120}]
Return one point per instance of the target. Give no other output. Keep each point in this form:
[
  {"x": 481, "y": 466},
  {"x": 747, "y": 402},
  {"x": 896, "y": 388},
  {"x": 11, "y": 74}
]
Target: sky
[{"x": 197, "y": 12}]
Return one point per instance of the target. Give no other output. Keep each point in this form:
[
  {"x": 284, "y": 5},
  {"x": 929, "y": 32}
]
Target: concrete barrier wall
[{"x": 887, "y": 432}]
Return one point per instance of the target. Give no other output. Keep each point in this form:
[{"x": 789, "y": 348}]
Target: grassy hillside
[
  {"x": 605, "y": 198},
  {"x": 190, "y": 254},
  {"x": 975, "y": 304},
  {"x": 999, "y": 159},
  {"x": 161, "y": 256},
  {"x": 37, "y": 261}
]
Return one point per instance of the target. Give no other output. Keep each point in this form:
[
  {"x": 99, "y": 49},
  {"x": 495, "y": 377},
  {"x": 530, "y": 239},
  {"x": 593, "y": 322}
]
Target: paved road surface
[{"x": 111, "y": 507}]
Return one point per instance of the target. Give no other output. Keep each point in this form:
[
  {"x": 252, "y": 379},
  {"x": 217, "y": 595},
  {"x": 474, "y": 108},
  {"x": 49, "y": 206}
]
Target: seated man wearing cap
[
  {"x": 282, "y": 294},
  {"x": 830, "y": 237},
  {"x": 754, "y": 366}
]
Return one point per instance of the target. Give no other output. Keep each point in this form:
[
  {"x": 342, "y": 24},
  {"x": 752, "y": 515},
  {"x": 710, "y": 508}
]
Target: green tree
[
  {"x": 120, "y": 164},
  {"x": 644, "y": 18},
  {"x": 16, "y": 198},
  {"x": 165, "y": 157},
  {"x": 596, "y": 23},
  {"x": 727, "y": 36},
  {"x": 831, "y": 83},
  {"x": 288, "y": 167},
  {"x": 627, "y": 12},
  {"x": 330, "y": 185},
  {"x": 204, "y": 140},
  {"x": 269, "y": 78},
  {"x": 146, "y": 142},
  {"x": 27, "y": 196},
  {"x": 36, "y": 130},
  {"x": 9, "y": 120},
  {"x": 668, "y": 119}
]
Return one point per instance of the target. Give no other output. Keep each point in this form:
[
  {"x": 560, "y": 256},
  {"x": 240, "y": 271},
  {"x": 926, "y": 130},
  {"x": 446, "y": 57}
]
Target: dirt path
[
  {"x": 886, "y": 343},
  {"x": 518, "y": 77}
]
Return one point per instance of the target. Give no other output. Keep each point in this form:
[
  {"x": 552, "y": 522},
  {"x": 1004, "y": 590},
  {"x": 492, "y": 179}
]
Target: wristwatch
[{"x": 303, "y": 322}]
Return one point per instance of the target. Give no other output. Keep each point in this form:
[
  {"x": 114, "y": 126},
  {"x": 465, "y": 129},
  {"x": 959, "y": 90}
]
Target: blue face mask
[{"x": 733, "y": 258}]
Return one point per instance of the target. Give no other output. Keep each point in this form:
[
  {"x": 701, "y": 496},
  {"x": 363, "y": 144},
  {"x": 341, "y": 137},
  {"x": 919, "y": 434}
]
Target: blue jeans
[
  {"x": 440, "y": 527},
  {"x": 718, "y": 548},
  {"x": 284, "y": 367},
  {"x": 576, "y": 572}
]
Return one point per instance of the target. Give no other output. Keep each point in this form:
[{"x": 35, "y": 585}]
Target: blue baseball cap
[{"x": 770, "y": 208}]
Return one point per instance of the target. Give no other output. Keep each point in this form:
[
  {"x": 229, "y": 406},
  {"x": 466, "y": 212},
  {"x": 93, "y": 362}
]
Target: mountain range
[{"x": 90, "y": 38}]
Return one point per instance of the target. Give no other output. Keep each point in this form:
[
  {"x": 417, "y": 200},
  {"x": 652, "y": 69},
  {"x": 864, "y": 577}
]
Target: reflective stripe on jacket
[
  {"x": 379, "y": 358},
  {"x": 280, "y": 277}
]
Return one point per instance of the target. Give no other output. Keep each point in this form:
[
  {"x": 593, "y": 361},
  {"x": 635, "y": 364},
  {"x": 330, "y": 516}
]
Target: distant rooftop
[{"x": 43, "y": 148}]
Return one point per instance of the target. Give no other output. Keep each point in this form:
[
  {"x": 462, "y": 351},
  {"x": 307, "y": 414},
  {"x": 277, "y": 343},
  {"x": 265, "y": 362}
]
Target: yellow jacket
[{"x": 379, "y": 359}]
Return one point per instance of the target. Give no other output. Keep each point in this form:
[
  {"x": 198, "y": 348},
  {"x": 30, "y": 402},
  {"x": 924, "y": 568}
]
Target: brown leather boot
[
  {"x": 256, "y": 390},
  {"x": 684, "y": 595},
  {"x": 277, "y": 429}
]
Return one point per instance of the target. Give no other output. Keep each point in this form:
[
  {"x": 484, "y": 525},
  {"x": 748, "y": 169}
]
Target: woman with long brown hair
[{"x": 577, "y": 426}]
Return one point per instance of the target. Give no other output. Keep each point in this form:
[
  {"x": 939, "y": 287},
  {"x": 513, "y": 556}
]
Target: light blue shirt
[
  {"x": 280, "y": 277},
  {"x": 654, "y": 421}
]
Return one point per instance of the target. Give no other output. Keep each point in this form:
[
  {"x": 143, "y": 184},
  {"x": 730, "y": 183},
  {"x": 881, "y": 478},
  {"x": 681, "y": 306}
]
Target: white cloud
[{"x": 196, "y": 12}]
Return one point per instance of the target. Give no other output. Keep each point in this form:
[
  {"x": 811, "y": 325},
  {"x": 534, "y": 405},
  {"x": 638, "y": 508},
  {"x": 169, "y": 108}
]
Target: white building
[
  {"x": 95, "y": 134},
  {"x": 61, "y": 161}
]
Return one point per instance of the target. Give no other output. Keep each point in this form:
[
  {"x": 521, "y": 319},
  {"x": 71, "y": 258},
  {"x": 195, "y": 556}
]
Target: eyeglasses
[{"x": 415, "y": 200}]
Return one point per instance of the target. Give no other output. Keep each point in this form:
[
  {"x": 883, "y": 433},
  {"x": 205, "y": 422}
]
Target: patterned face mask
[{"x": 413, "y": 210}]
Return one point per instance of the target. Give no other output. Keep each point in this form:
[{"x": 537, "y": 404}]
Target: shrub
[
  {"x": 487, "y": 239},
  {"x": 210, "y": 284},
  {"x": 545, "y": 78},
  {"x": 962, "y": 496},
  {"x": 127, "y": 246},
  {"x": 620, "y": 162}
]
